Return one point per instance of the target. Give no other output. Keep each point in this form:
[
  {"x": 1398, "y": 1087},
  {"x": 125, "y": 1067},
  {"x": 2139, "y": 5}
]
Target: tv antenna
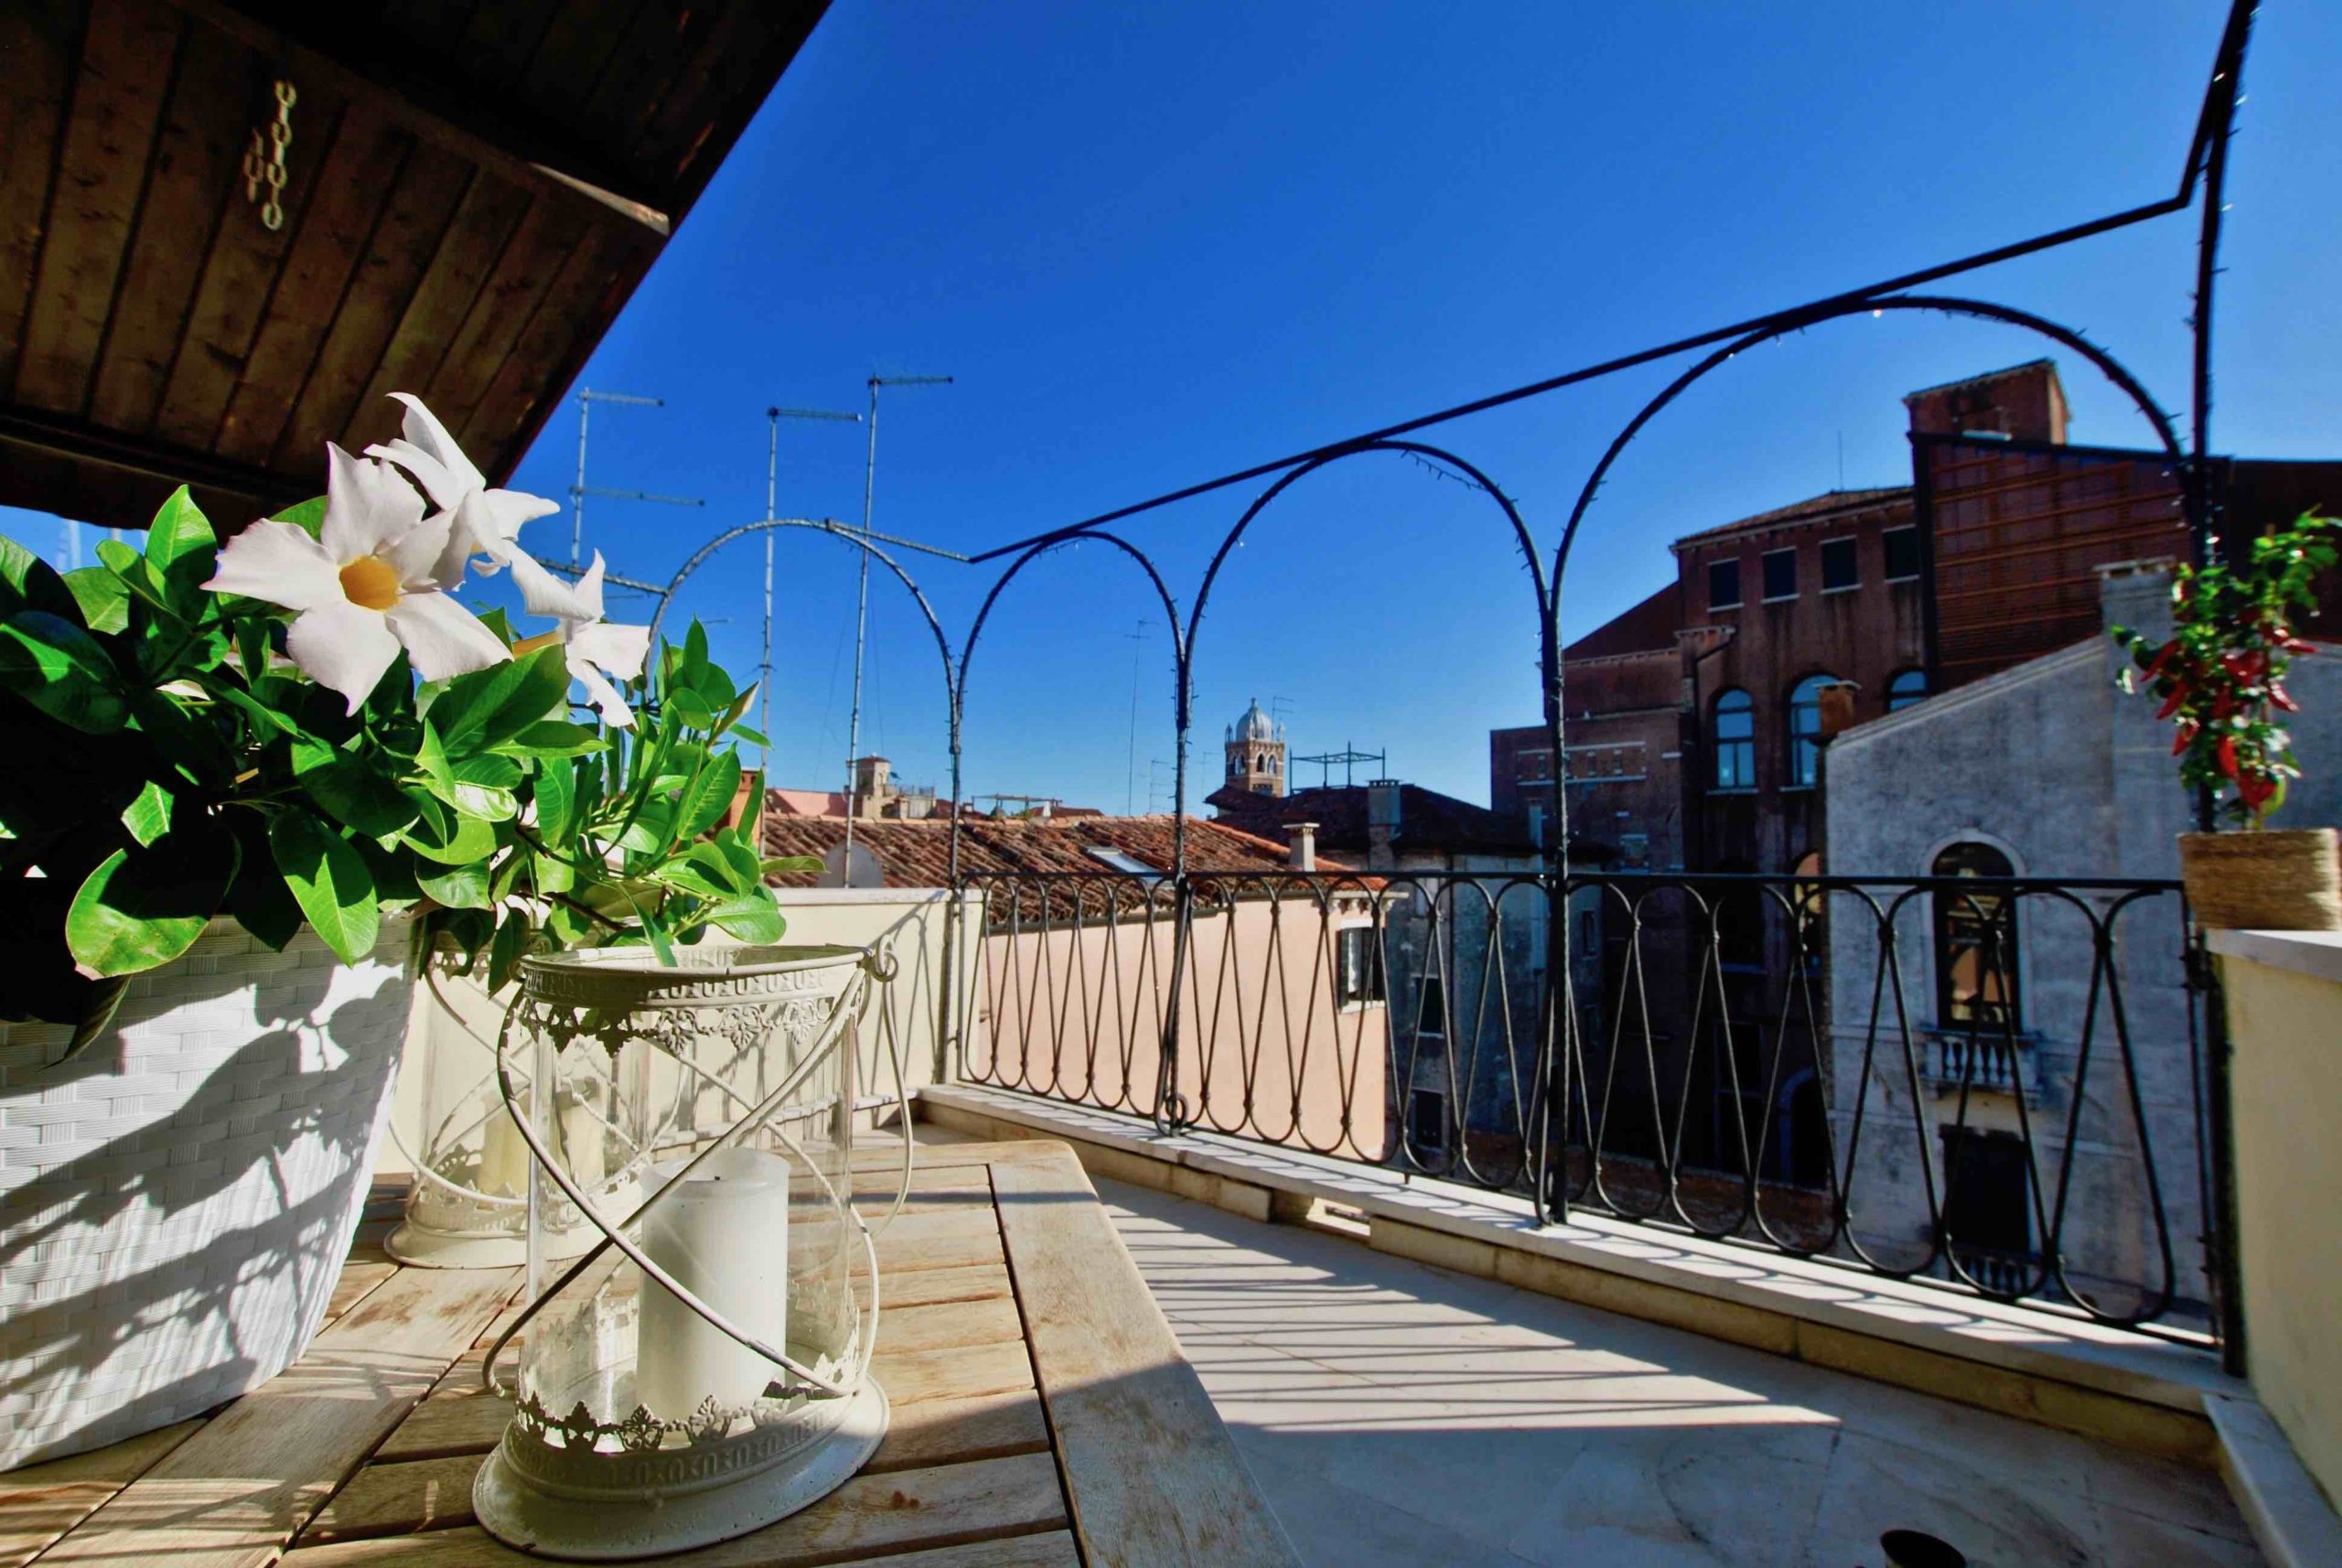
[
  {"x": 773, "y": 416},
  {"x": 1130, "y": 770},
  {"x": 862, "y": 591},
  {"x": 586, "y": 399},
  {"x": 1348, "y": 758}
]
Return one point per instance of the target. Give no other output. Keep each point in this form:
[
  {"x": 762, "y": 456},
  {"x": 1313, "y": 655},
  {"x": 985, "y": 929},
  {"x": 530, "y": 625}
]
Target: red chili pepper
[
  {"x": 2255, "y": 789},
  {"x": 2171, "y": 704},
  {"x": 2226, "y": 756},
  {"x": 2162, "y": 656},
  {"x": 2185, "y": 739},
  {"x": 2277, "y": 695}
]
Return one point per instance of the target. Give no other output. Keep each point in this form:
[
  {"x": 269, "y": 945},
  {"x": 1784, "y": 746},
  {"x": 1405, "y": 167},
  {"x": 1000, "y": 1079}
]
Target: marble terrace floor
[{"x": 1395, "y": 1413}]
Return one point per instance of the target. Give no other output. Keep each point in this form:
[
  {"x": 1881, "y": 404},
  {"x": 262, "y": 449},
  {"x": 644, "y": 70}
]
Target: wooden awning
[{"x": 471, "y": 192}]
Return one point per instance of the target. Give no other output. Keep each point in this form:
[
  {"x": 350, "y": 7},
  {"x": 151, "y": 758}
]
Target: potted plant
[
  {"x": 250, "y": 783},
  {"x": 2221, "y": 677}
]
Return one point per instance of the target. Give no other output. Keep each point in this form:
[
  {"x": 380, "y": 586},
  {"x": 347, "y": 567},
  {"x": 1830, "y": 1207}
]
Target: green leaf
[
  {"x": 258, "y": 899},
  {"x": 104, "y": 599},
  {"x": 430, "y": 757},
  {"x": 484, "y": 787},
  {"x": 458, "y": 886},
  {"x": 709, "y": 796},
  {"x": 751, "y": 917},
  {"x": 309, "y": 516},
  {"x": 748, "y": 737},
  {"x": 492, "y": 705},
  {"x": 182, "y": 548},
  {"x": 266, "y": 721},
  {"x": 784, "y": 864},
  {"x": 27, "y": 582},
  {"x": 511, "y": 944},
  {"x": 61, "y": 669},
  {"x": 144, "y": 907},
  {"x": 688, "y": 706},
  {"x": 148, "y": 817},
  {"x": 328, "y": 881},
  {"x": 552, "y": 738},
  {"x": 448, "y": 836},
  {"x": 556, "y": 798},
  {"x": 357, "y": 797}
]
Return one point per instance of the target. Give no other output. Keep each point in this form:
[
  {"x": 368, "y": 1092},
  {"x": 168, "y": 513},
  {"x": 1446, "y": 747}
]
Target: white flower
[
  {"x": 483, "y": 523},
  {"x": 365, "y": 586},
  {"x": 597, "y": 650}
]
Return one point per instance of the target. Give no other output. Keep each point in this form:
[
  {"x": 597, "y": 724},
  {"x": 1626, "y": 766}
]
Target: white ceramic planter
[{"x": 177, "y": 1201}]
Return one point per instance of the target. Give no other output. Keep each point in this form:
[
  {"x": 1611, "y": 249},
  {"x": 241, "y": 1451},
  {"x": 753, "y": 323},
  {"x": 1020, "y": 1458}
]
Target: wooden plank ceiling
[{"x": 474, "y": 188}]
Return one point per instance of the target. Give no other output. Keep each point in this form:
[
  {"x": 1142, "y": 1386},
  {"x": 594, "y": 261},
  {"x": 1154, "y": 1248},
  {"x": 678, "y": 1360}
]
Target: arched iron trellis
[{"x": 983, "y": 614}]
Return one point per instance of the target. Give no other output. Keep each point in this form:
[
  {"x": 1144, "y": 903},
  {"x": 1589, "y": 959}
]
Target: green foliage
[
  {"x": 174, "y": 768},
  {"x": 2222, "y": 672}
]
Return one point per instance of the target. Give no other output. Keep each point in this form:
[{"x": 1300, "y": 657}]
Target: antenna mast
[{"x": 861, "y": 593}]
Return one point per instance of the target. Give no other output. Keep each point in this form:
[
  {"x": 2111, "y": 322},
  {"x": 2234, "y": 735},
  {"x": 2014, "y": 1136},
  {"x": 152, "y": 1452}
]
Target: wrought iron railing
[{"x": 1993, "y": 1084}]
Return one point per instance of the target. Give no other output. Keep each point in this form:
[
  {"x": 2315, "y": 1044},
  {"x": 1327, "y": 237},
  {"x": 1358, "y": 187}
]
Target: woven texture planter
[
  {"x": 2282, "y": 880},
  {"x": 176, "y": 1202}
]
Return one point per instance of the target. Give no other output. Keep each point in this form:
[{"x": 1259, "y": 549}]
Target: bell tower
[{"x": 1256, "y": 753}]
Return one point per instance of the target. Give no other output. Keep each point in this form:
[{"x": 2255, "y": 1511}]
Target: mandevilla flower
[
  {"x": 365, "y": 586},
  {"x": 597, "y": 650},
  {"x": 484, "y": 523}
]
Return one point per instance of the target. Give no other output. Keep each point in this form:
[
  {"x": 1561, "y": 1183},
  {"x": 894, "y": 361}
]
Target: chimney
[
  {"x": 1382, "y": 823},
  {"x": 1305, "y": 845}
]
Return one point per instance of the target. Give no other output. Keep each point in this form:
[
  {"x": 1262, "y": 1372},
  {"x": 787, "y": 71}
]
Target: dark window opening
[
  {"x": 1427, "y": 1120},
  {"x": 1986, "y": 1208},
  {"x": 1781, "y": 574},
  {"x": 1724, "y": 585},
  {"x": 1431, "y": 1007},
  {"x": 1359, "y": 953},
  {"x": 1805, "y": 728},
  {"x": 1838, "y": 567},
  {"x": 1902, "y": 554},
  {"x": 1976, "y": 943},
  {"x": 1735, "y": 742}
]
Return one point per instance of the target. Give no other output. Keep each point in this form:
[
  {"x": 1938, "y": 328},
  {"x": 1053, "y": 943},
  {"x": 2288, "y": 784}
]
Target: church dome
[{"x": 1255, "y": 724}]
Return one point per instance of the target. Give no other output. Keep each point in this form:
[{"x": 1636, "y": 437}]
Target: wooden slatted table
[{"x": 1043, "y": 1415}]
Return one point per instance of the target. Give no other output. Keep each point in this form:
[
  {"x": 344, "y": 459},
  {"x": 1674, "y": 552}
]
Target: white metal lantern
[
  {"x": 704, "y": 1368},
  {"x": 469, "y": 1206}
]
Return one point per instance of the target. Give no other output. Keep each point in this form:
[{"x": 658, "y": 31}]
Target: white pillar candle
[
  {"x": 722, "y": 1234},
  {"x": 581, "y": 1138},
  {"x": 503, "y": 1157}
]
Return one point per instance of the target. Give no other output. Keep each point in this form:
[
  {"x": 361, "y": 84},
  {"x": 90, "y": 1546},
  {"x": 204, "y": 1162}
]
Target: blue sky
[{"x": 1152, "y": 243}]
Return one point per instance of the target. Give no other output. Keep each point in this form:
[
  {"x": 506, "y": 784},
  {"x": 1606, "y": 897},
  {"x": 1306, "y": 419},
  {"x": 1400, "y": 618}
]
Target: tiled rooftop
[{"x": 917, "y": 854}]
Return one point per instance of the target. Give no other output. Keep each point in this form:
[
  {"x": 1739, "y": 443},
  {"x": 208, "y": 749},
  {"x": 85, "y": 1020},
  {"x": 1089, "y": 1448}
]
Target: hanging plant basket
[{"x": 2281, "y": 879}]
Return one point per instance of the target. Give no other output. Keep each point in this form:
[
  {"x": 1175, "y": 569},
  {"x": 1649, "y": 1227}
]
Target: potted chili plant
[{"x": 2221, "y": 677}]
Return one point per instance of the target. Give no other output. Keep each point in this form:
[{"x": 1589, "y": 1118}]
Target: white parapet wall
[{"x": 2284, "y": 1009}]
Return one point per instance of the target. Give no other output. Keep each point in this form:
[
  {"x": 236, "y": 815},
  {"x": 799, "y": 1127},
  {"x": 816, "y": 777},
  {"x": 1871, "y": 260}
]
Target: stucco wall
[{"x": 2286, "y": 1081}]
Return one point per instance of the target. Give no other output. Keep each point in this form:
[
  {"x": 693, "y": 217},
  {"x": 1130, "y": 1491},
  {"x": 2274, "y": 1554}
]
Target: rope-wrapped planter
[{"x": 176, "y": 1202}]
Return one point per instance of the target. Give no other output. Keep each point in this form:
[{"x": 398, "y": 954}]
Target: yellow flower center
[{"x": 371, "y": 582}]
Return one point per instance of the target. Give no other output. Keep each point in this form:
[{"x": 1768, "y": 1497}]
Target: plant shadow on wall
[{"x": 258, "y": 1121}]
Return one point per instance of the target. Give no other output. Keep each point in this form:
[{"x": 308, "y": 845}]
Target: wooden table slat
[
  {"x": 236, "y": 1492},
  {"x": 870, "y": 1516},
  {"x": 1148, "y": 1465},
  {"x": 1040, "y": 1403}
]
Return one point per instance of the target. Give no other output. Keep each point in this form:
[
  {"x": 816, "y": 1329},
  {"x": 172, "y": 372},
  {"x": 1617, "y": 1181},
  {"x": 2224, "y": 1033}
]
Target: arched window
[
  {"x": 1907, "y": 689},
  {"x": 1805, "y": 728},
  {"x": 1735, "y": 741},
  {"x": 1976, "y": 938}
]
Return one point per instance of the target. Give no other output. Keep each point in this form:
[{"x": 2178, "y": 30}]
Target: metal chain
[{"x": 271, "y": 171}]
